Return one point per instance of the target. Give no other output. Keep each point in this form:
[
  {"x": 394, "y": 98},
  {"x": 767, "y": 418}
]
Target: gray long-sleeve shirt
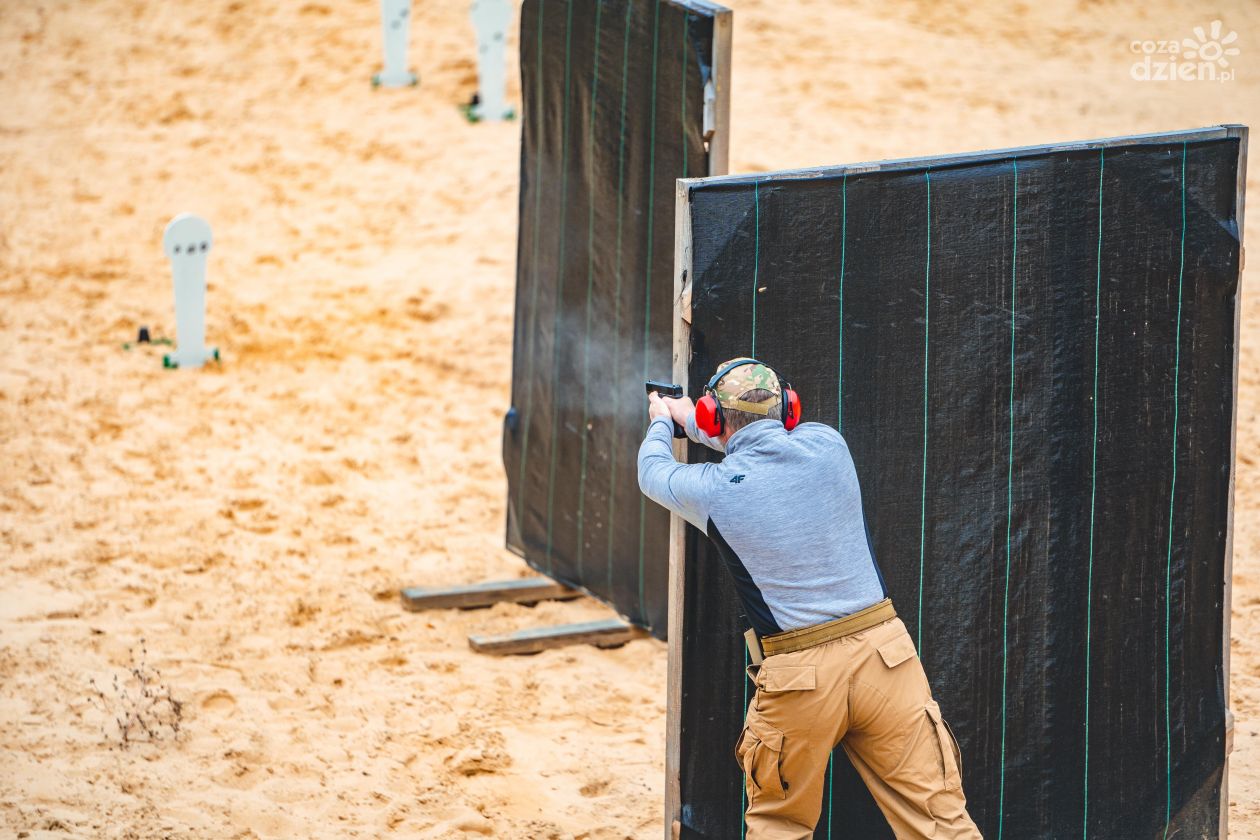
[{"x": 785, "y": 512}]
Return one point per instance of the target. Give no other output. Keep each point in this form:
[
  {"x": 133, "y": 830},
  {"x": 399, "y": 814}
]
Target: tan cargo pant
[{"x": 867, "y": 691}]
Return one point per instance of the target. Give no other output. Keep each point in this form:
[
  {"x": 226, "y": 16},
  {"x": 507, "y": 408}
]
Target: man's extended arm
[
  {"x": 693, "y": 432},
  {"x": 677, "y": 487},
  {"x": 683, "y": 411}
]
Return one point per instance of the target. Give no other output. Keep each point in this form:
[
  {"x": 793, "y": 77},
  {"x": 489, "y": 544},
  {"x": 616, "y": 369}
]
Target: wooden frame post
[
  {"x": 677, "y": 525},
  {"x": 720, "y": 144},
  {"x": 719, "y": 159}
]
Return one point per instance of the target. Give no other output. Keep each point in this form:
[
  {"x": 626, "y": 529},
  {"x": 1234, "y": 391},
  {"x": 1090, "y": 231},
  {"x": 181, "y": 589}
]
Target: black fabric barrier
[
  {"x": 612, "y": 115},
  {"x": 1032, "y": 356}
]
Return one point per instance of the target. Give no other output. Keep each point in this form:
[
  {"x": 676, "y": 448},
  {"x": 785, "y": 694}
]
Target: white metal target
[
  {"x": 187, "y": 243},
  {"x": 395, "y": 30},
  {"x": 491, "y": 18}
]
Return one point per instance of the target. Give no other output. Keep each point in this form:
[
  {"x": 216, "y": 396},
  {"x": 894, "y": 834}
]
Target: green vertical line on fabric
[
  {"x": 844, "y": 235},
  {"x": 1010, "y": 475},
  {"x": 1093, "y": 489},
  {"x": 839, "y": 416},
  {"x": 927, "y": 312},
  {"x": 647, "y": 292},
  {"x": 743, "y": 793},
  {"x": 536, "y": 186},
  {"x": 621, "y": 174},
  {"x": 1172, "y": 499},
  {"x": 564, "y": 209},
  {"x": 844, "y": 230},
  {"x": 590, "y": 275},
  {"x": 756, "y": 262}
]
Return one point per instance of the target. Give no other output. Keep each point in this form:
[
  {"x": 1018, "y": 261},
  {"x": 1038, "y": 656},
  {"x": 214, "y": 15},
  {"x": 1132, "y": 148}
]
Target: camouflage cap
[{"x": 755, "y": 376}]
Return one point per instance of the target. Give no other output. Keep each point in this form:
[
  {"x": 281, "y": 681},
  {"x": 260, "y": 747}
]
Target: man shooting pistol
[{"x": 833, "y": 663}]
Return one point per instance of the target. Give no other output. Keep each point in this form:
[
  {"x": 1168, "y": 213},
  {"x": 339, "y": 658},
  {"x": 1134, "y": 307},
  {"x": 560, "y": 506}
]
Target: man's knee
[{"x": 949, "y": 811}]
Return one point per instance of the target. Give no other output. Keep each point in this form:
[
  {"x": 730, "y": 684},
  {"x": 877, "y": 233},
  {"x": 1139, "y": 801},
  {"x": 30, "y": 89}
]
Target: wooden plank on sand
[
  {"x": 607, "y": 633},
  {"x": 523, "y": 591}
]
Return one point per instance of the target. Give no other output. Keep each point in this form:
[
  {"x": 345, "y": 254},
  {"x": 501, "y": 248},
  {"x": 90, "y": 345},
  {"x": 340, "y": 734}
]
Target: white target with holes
[
  {"x": 187, "y": 242},
  {"x": 491, "y": 19}
]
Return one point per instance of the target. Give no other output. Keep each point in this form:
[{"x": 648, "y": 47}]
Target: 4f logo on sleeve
[{"x": 737, "y": 479}]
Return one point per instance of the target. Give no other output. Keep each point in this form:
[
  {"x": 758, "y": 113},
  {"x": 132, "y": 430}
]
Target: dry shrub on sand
[{"x": 138, "y": 707}]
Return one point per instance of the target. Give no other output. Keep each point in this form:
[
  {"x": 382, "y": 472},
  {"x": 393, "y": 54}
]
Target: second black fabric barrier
[
  {"x": 612, "y": 115},
  {"x": 1032, "y": 360}
]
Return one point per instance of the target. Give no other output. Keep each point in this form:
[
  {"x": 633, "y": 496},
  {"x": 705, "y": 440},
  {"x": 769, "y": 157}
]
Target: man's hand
[
  {"x": 657, "y": 406},
  {"x": 679, "y": 409}
]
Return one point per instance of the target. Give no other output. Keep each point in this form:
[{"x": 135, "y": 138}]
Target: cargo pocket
[
  {"x": 773, "y": 679},
  {"x": 760, "y": 753},
  {"x": 951, "y": 757},
  {"x": 896, "y": 651}
]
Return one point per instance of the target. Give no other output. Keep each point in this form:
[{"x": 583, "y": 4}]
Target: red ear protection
[
  {"x": 709, "y": 416},
  {"x": 709, "y": 411},
  {"x": 791, "y": 409}
]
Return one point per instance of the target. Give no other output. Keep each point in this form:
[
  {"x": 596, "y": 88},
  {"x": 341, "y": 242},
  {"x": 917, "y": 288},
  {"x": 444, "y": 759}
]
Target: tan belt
[{"x": 820, "y": 634}]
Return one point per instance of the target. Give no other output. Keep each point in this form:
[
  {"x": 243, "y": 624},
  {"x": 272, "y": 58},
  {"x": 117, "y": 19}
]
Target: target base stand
[
  {"x": 170, "y": 361},
  {"x": 391, "y": 80},
  {"x": 475, "y": 113}
]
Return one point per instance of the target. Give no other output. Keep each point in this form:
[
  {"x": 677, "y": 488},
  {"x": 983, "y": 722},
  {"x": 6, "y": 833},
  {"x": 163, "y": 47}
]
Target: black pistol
[{"x": 667, "y": 389}]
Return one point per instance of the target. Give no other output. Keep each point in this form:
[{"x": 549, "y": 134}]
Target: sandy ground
[{"x": 252, "y": 523}]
